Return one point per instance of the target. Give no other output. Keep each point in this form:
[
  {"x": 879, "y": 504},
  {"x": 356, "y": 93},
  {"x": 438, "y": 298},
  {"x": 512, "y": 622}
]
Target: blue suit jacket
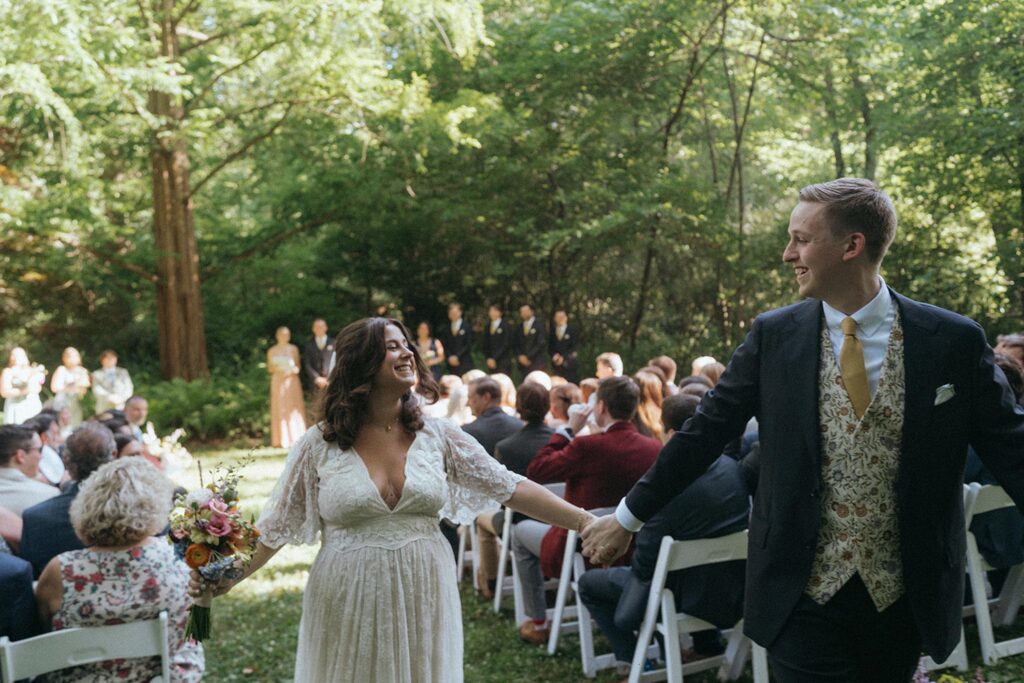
[
  {"x": 47, "y": 530},
  {"x": 491, "y": 427},
  {"x": 774, "y": 376},
  {"x": 716, "y": 504},
  {"x": 18, "y": 616}
]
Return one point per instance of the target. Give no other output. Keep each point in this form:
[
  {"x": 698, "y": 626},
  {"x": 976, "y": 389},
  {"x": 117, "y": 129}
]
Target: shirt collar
[{"x": 869, "y": 318}]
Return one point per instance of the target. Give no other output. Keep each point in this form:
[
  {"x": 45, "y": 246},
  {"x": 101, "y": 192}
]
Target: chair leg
[
  {"x": 586, "y": 640},
  {"x": 673, "y": 657},
  {"x": 503, "y": 558},
  {"x": 460, "y": 560},
  {"x": 736, "y": 653},
  {"x": 979, "y": 591},
  {"x": 760, "y": 657},
  {"x": 474, "y": 550},
  {"x": 1010, "y": 597}
]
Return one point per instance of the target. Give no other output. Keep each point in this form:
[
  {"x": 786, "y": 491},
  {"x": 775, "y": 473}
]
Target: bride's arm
[
  {"x": 263, "y": 553},
  {"x": 537, "y": 502}
]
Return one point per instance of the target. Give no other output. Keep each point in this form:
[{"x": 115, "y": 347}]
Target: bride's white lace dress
[{"x": 382, "y": 603}]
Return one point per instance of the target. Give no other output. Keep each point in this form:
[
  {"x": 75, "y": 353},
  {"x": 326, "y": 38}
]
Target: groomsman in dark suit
[
  {"x": 316, "y": 356},
  {"x": 530, "y": 342},
  {"x": 497, "y": 342},
  {"x": 866, "y": 403},
  {"x": 457, "y": 339},
  {"x": 562, "y": 347}
]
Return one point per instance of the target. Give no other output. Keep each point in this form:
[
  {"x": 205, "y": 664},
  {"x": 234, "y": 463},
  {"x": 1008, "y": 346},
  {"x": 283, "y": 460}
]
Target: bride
[{"x": 371, "y": 481}]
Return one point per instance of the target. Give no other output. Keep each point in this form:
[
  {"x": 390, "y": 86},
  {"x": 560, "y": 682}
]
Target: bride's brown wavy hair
[{"x": 359, "y": 353}]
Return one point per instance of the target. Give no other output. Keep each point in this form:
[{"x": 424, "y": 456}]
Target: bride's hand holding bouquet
[{"x": 209, "y": 533}]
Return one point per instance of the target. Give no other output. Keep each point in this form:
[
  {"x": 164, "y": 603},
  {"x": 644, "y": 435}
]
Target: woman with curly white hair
[{"x": 125, "y": 573}]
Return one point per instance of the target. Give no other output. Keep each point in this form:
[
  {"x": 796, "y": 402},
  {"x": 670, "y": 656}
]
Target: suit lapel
[{"x": 801, "y": 353}]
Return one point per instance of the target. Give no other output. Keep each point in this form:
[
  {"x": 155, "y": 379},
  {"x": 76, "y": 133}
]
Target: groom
[{"x": 866, "y": 403}]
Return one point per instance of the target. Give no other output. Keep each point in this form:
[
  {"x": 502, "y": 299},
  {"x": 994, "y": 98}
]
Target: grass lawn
[{"x": 255, "y": 626}]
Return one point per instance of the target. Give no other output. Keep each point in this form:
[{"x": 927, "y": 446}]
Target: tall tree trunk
[
  {"x": 870, "y": 153},
  {"x": 179, "y": 295},
  {"x": 833, "y": 121},
  {"x": 645, "y": 288}
]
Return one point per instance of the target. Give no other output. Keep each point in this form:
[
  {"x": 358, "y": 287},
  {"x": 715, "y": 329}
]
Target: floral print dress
[{"x": 117, "y": 587}]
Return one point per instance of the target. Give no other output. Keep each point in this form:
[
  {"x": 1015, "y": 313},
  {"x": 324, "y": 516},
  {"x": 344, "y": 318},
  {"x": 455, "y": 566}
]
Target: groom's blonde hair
[{"x": 856, "y": 205}]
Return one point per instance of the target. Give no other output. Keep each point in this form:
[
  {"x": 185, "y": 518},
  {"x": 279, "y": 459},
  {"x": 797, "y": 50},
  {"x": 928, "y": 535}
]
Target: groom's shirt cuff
[{"x": 626, "y": 518}]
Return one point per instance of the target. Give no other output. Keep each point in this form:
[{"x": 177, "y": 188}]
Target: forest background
[{"x": 180, "y": 177}]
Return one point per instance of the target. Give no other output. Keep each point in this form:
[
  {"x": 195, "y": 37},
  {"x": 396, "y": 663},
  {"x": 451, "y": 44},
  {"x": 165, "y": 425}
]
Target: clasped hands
[{"x": 604, "y": 540}]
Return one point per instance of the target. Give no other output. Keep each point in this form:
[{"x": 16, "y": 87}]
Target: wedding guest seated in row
[
  {"x": 18, "y": 616},
  {"x": 716, "y": 504},
  {"x": 539, "y": 377},
  {"x": 111, "y": 385},
  {"x": 10, "y": 531},
  {"x": 446, "y": 385},
  {"x": 47, "y": 529},
  {"x": 588, "y": 388},
  {"x": 713, "y": 371},
  {"x": 999, "y": 533},
  {"x": 668, "y": 369},
  {"x": 20, "y": 384},
  {"x": 131, "y": 575},
  {"x": 492, "y": 424},
  {"x": 514, "y": 452},
  {"x": 128, "y": 446},
  {"x": 1011, "y": 345},
  {"x": 20, "y": 452},
  {"x": 699, "y": 363},
  {"x": 136, "y": 410},
  {"x": 508, "y": 392},
  {"x": 561, "y": 398},
  {"x": 597, "y": 471},
  {"x": 608, "y": 364},
  {"x": 648, "y": 412},
  {"x": 51, "y": 465},
  {"x": 695, "y": 385}
]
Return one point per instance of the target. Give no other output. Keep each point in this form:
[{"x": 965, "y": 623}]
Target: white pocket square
[{"x": 944, "y": 393}]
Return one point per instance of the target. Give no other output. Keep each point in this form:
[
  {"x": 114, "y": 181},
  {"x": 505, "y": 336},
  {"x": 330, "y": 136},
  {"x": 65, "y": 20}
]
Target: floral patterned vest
[{"x": 860, "y": 460}]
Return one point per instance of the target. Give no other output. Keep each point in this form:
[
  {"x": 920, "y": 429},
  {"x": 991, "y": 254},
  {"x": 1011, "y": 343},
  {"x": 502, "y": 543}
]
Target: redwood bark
[{"x": 179, "y": 294}]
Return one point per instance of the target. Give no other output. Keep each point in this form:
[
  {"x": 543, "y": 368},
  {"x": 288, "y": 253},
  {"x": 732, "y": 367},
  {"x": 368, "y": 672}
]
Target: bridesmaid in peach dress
[{"x": 287, "y": 411}]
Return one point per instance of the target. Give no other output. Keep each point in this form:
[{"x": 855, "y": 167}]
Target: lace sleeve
[
  {"x": 291, "y": 515},
  {"x": 476, "y": 481}
]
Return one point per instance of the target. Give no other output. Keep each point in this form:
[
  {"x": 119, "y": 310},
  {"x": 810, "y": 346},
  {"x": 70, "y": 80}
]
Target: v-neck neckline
[{"x": 405, "y": 475}]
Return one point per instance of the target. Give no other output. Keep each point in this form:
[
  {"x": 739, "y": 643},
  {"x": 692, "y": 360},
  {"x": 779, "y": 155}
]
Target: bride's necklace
[{"x": 388, "y": 427}]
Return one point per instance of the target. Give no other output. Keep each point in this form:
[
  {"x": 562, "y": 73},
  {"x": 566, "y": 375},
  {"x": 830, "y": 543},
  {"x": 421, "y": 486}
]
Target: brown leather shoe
[
  {"x": 534, "y": 635},
  {"x": 484, "y": 589}
]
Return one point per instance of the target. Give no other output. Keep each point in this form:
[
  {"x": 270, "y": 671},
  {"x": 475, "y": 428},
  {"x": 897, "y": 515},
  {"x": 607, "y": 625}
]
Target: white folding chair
[
  {"x": 468, "y": 537},
  {"x": 565, "y": 618},
  {"x": 987, "y": 499},
  {"x": 77, "y": 646},
  {"x": 661, "y": 614},
  {"x": 505, "y": 585}
]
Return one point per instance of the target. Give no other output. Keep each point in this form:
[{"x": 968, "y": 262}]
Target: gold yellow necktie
[{"x": 851, "y": 367}]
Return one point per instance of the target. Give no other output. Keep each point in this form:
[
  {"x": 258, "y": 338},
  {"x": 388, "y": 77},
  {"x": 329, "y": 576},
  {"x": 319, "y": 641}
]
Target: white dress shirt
[
  {"x": 321, "y": 342},
  {"x": 874, "y": 325}
]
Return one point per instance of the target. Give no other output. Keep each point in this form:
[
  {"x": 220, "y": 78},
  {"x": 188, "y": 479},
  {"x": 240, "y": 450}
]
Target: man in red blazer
[{"x": 597, "y": 470}]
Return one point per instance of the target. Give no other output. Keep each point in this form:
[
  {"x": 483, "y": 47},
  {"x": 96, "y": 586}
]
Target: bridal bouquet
[{"x": 208, "y": 532}]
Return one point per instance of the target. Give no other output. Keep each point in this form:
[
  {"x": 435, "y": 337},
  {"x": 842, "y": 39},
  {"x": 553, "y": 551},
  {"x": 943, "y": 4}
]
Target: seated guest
[
  {"x": 10, "y": 530},
  {"x": 695, "y": 385},
  {"x": 561, "y": 398},
  {"x": 1011, "y": 345},
  {"x": 115, "y": 421},
  {"x": 136, "y": 410},
  {"x": 127, "y": 446},
  {"x": 608, "y": 364},
  {"x": 116, "y": 513},
  {"x": 539, "y": 377},
  {"x": 699, "y": 363},
  {"x": 492, "y": 424},
  {"x": 588, "y": 388},
  {"x": 20, "y": 452},
  {"x": 51, "y": 465},
  {"x": 439, "y": 408},
  {"x": 18, "y": 616},
  {"x": 713, "y": 371},
  {"x": 508, "y": 392},
  {"x": 597, "y": 471},
  {"x": 999, "y": 533},
  {"x": 668, "y": 369},
  {"x": 514, "y": 452},
  {"x": 648, "y": 412},
  {"x": 716, "y": 504},
  {"x": 47, "y": 529}
]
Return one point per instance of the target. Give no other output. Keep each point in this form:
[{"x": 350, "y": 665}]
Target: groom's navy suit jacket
[{"x": 774, "y": 376}]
